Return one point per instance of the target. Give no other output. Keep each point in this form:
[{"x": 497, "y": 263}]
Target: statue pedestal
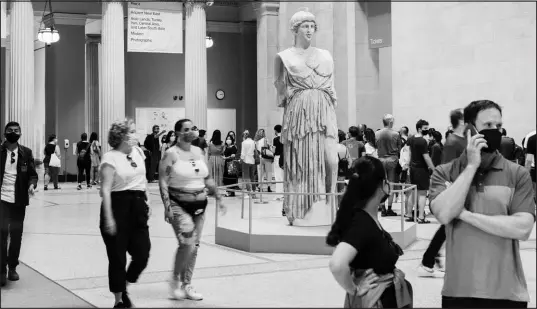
[{"x": 319, "y": 215}]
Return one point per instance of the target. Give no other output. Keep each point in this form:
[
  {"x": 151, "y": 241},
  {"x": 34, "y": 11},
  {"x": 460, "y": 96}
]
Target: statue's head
[{"x": 303, "y": 25}]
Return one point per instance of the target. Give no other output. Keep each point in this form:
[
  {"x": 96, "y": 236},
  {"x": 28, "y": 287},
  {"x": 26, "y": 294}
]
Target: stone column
[
  {"x": 21, "y": 70},
  {"x": 196, "y": 63},
  {"x": 344, "y": 54},
  {"x": 268, "y": 113},
  {"x": 91, "y": 106},
  {"x": 112, "y": 83}
]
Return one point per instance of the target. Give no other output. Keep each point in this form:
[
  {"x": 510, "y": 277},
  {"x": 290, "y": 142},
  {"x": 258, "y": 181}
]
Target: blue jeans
[{"x": 188, "y": 231}]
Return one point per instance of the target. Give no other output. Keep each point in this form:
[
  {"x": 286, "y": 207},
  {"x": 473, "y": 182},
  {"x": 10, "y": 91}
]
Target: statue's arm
[
  {"x": 333, "y": 89},
  {"x": 279, "y": 80}
]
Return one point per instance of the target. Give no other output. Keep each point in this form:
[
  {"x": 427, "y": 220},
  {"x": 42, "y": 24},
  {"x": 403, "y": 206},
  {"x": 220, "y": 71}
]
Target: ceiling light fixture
[{"x": 48, "y": 35}]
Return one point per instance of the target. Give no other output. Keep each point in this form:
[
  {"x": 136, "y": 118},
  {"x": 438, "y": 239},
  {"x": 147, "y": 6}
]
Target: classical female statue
[{"x": 305, "y": 85}]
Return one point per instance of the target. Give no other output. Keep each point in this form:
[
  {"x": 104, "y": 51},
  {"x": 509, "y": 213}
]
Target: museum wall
[
  {"x": 65, "y": 84},
  {"x": 446, "y": 55},
  {"x": 2, "y": 87},
  {"x": 153, "y": 79}
]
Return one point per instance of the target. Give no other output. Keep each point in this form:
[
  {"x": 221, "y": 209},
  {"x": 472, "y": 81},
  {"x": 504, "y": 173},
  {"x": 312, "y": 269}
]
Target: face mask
[
  {"x": 12, "y": 137},
  {"x": 189, "y": 136},
  {"x": 132, "y": 139},
  {"x": 228, "y": 142},
  {"x": 385, "y": 197},
  {"x": 425, "y": 132},
  {"x": 172, "y": 139},
  {"x": 493, "y": 138}
]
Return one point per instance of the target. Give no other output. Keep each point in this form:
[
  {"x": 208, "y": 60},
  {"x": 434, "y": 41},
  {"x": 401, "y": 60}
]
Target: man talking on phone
[{"x": 486, "y": 204}]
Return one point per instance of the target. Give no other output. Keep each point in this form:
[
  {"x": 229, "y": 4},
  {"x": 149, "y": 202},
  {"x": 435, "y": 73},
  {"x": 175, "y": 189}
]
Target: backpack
[
  {"x": 404, "y": 157},
  {"x": 343, "y": 165},
  {"x": 82, "y": 155}
]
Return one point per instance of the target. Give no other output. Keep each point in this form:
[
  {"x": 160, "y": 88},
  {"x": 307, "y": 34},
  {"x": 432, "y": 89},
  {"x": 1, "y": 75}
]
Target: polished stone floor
[{"x": 62, "y": 244}]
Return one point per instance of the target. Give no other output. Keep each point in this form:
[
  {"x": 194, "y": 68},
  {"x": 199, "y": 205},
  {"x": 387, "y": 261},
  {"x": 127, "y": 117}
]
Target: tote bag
[{"x": 54, "y": 161}]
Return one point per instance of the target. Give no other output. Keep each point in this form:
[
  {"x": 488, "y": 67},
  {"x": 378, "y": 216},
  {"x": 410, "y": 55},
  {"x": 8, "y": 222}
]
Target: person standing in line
[
  {"x": 278, "y": 161},
  {"x": 125, "y": 210},
  {"x": 52, "y": 162},
  {"x": 508, "y": 147},
  {"x": 95, "y": 154},
  {"x": 420, "y": 169},
  {"x": 216, "y": 161},
  {"x": 361, "y": 130},
  {"x": 185, "y": 179},
  {"x": 344, "y": 164},
  {"x": 264, "y": 169},
  {"x": 83, "y": 161},
  {"x": 370, "y": 148},
  {"x": 453, "y": 148},
  {"x": 248, "y": 161},
  {"x": 230, "y": 176},
  {"x": 168, "y": 141},
  {"x": 355, "y": 147},
  {"x": 436, "y": 148},
  {"x": 389, "y": 144},
  {"x": 18, "y": 179},
  {"x": 152, "y": 144},
  {"x": 486, "y": 203},
  {"x": 529, "y": 163}
]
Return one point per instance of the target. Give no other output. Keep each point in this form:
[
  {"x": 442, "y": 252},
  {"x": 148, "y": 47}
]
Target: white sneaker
[
  {"x": 429, "y": 272},
  {"x": 176, "y": 292},
  {"x": 191, "y": 293}
]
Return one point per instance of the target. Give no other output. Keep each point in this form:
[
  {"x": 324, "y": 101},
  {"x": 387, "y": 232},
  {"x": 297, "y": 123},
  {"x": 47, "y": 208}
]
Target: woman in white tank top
[{"x": 183, "y": 179}]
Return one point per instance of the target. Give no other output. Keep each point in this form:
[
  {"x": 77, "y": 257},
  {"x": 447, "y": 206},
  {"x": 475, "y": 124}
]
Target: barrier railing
[{"x": 403, "y": 189}]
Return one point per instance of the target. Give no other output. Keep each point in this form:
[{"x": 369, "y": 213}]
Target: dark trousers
[
  {"x": 468, "y": 302},
  {"x": 434, "y": 247},
  {"x": 12, "y": 223},
  {"x": 84, "y": 169},
  {"x": 53, "y": 172},
  {"x": 130, "y": 212},
  {"x": 155, "y": 159}
]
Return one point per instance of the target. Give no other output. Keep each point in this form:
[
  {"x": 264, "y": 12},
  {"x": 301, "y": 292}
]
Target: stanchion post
[
  {"x": 217, "y": 203},
  {"x": 403, "y": 209},
  {"x": 415, "y": 203},
  {"x": 242, "y": 205},
  {"x": 250, "y": 217}
]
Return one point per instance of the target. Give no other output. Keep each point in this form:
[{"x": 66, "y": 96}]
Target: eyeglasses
[
  {"x": 194, "y": 166},
  {"x": 133, "y": 164},
  {"x": 12, "y": 157}
]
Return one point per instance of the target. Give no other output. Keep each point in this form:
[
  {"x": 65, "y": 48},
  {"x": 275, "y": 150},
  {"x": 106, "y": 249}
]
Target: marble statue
[{"x": 305, "y": 85}]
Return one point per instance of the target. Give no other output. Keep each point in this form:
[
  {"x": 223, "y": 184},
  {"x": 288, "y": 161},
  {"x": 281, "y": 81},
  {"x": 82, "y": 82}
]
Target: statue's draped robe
[{"x": 309, "y": 118}]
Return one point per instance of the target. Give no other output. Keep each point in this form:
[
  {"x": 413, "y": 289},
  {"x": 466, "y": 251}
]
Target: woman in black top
[
  {"x": 52, "y": 171},
  {"x": 230, "y": 169},
  {"x": 363, "y": 262},
  {"x": 436, "y": 148}
]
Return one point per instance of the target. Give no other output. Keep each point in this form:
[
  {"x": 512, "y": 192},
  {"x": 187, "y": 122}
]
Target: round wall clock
[{"x": 220, "y": 94}]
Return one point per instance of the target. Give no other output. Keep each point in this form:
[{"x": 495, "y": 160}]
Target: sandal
[
  {"x": 423, "y": 221},
  {"x": 409, "y": 219}
]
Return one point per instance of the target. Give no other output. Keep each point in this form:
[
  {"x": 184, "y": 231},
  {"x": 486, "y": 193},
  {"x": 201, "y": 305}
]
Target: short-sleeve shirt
[
  {"x": 278, "y": 145},
  {"x": 126, "y": 176},
  {"x": 479, "y": 264},
  {"x": 355, "y": 147},
  {"x": 453, "y": 148},
  {"x": 374, "y": 249},
  {"x": 388, "y": 143},
  {"x": 418, "y": 147}
]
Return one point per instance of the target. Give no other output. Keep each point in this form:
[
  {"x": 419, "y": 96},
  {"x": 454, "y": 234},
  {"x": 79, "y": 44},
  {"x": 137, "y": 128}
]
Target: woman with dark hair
[
  {"x": 184, "y": 178},
  {"x": 216, "y": 161},
  {"x": 95, "y": 155},
  {"x": 363, "y": 262},
  {"x": 167, "y": 142},
  {"x": 344, "y": 163},
  {"x": 231, "y": 175},
  {"x": 436, "y": 148},
  {"x": 264, "y": 168},
  {"x": 52, "y": 162},
  {"x": 370, "y": 143}
]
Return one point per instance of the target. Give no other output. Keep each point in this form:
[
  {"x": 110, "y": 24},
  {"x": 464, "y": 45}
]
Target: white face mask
[
  {"x": 172, "y": 139},
  {"x": 228, "y": 142}
]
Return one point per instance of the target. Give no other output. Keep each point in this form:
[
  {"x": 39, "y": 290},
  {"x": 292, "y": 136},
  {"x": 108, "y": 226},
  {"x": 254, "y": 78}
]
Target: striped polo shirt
[{"x": 478, "y": 264}]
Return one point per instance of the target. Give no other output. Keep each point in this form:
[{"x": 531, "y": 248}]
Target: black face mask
[
  {"x": 12, "y": 137},
  {"x": 425, "y": 132},
  {"x": 493, "y": 138},
  {"x": 385, "y": 197}
]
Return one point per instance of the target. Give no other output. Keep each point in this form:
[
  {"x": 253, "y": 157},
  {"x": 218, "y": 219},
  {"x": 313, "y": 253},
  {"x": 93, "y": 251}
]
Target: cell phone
[{"x": 473, "y": 130}]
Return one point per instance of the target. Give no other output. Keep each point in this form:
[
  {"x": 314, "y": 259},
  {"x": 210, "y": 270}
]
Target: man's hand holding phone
[{"x": 473, "y": 150}]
